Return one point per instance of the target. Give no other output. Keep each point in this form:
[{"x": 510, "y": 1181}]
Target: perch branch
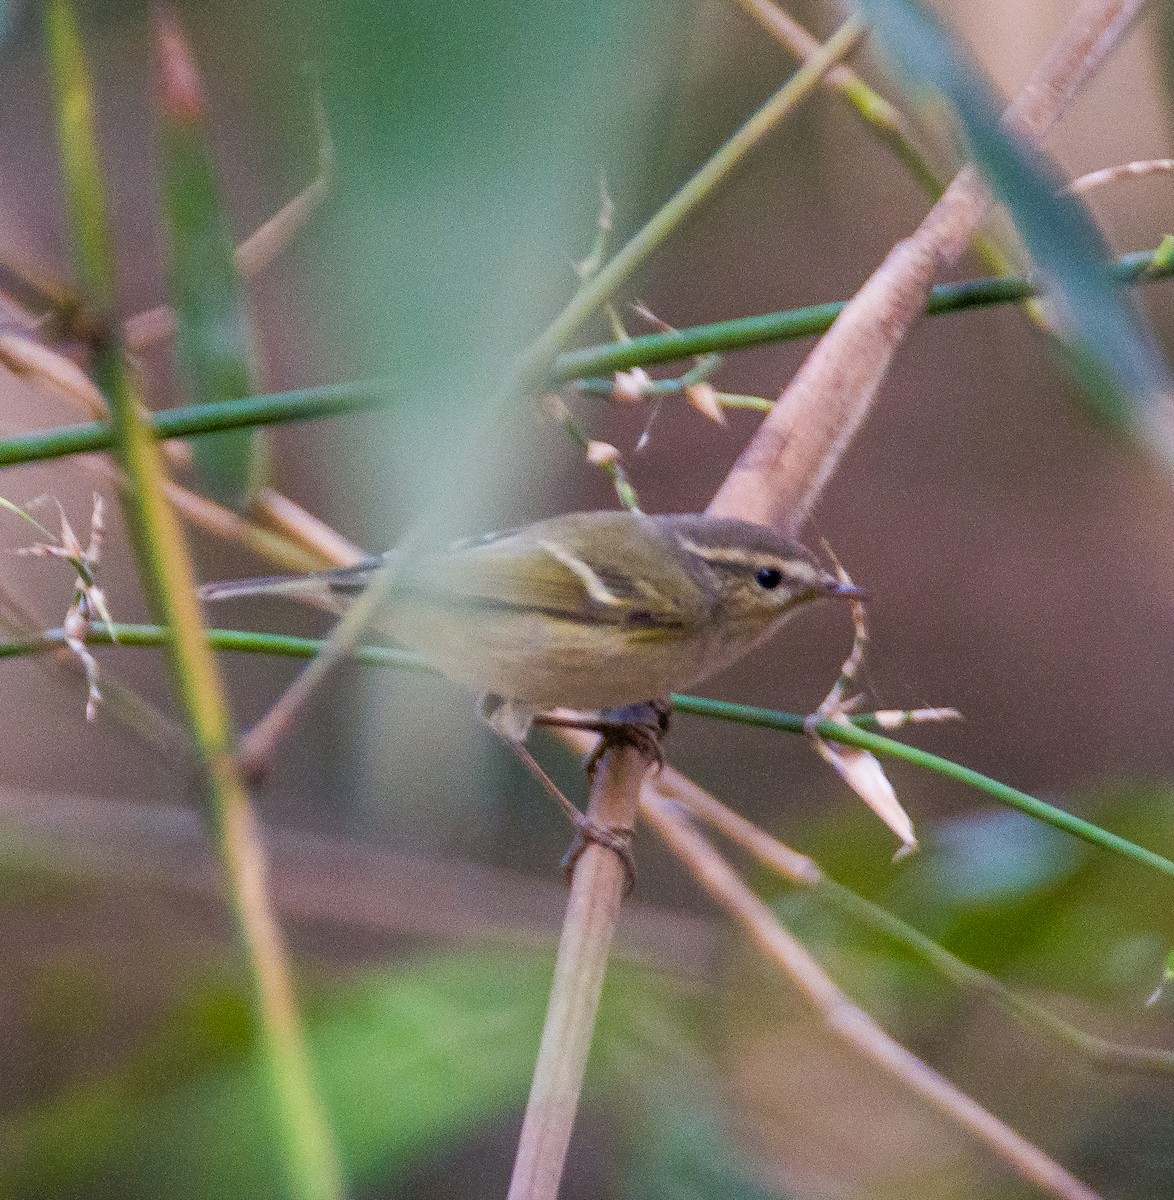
[{"x": 588, "y": 929}]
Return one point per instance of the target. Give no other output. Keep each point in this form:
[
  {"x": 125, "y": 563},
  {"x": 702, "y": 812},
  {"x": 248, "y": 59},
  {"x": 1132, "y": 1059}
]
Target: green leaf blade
[
  {"x": 214, "y": 343},
  {"x": 81, "y": 164},
  {"x": 1108, "y": 345}
]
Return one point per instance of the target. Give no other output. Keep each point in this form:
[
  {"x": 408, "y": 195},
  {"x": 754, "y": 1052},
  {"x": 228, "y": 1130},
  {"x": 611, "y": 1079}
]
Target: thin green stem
[
  {"x": 232, "y": 640},
  {"x": 1112, "y": 1055},
  {"x": 744, "y": 332},
  {"x": 611, "y": 466},
  {"x": 881, "y": 117},
  {"x": 81, "y": 167},
  {"x": 308, "y": 405},
  {"x": 860, "y": 732},
  {"x": 805, "y": 873},
  {"x": 859, "y": 735},
  {"x": 603, "y": 285},
  {"x": 308, "y": 1152},
  {"x": 531, "y": 372},
  {"x": 721, "y": 336}
]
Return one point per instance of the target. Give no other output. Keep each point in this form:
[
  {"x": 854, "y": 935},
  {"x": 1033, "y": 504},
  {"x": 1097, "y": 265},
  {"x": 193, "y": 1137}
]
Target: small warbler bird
[{"x": 586, "y": 611}]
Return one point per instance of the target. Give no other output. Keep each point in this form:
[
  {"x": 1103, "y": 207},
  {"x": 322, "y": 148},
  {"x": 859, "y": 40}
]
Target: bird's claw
[{"x": 641, "y": 726}]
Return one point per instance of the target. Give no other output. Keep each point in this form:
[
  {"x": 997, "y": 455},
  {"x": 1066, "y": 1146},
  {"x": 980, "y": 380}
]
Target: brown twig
[
  {"x": 880, "y": 116},
  {"x": 1131, "y": 170},
  {"x": 588, "y": 928},
  {"x": 781, "y": 473},
  {"x": 257, "y": 748},
  {"x": 805, "y": 873},
  {"x": 842, "y": 1018},
  {"x": 328, "y": 546}
]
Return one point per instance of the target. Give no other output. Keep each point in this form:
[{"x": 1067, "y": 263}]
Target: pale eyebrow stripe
[
  {"x": 795, "y": 568},
  {"x": 595, "y": 586},
  {"x": 717, "y": 554}
]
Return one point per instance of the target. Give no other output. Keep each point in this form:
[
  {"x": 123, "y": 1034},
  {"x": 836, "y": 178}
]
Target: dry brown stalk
[
  {"x": 884, "y": 116},
  {"x": 588, "y": 928},
  {"x": 258, "y": 250},
  {"x": 842, "y": 1018},
  {"x": 1131, "y": 170},
  {"x": 782, "y": 471},
  {"x": 328, "y": 546}
]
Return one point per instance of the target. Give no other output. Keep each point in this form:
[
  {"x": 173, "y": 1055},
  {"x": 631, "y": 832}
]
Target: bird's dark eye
[{"x": 769, "y": 578}]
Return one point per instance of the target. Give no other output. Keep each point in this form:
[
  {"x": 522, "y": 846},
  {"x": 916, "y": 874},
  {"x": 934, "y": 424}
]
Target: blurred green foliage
[
  {"x": 410, "y": 1061},
  {"x": 472, "y": 140},
  {"x": 416, "y": 1060},
  {"x": 214, "y": 341}
]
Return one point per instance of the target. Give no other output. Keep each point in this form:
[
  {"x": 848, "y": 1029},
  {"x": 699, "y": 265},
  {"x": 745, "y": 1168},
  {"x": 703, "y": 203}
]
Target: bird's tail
[{"x": 331, "y": 590}]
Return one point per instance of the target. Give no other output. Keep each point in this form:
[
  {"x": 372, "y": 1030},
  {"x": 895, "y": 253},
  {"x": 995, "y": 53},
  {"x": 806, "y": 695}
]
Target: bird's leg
[
  {"x": 618, "y": 840},
  {"x": 638, "y": 725}
]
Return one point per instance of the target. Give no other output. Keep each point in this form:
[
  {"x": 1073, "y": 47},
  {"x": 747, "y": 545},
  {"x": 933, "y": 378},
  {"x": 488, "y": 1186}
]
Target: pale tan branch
[
  {"x": 805, "y": 873},
  {"x": 1084, "y": 184},
  {"x": 258, "y": 250},
  {"x": 583, "y": 948},
  {"x": 588, "y": 928},
  {"x": 264, "y": 244},
  {"x": 781, "y": 473},
  {"x": 28, "y": 358},
  {"x": 883, "y": 119},
  {"x": 322, "y": 541},
  {"x": 842, "y": 1018}
]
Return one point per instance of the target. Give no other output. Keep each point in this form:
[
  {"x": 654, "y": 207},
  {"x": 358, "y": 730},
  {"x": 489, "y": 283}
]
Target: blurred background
[{"x": 1018, "y": 552}]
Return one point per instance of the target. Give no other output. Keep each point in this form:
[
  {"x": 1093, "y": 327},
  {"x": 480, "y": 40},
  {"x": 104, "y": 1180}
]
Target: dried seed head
[
  {"x": 89, "y": 602},
  {"x": 866, "y": 777},
  {"x": 703, "y": 397},
  {"x": 601, "y": 454},
  {"x": 630, "y": 387}
]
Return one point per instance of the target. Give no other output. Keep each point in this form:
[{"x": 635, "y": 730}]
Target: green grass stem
[
  {"x": 860, "y": 733},
  {"x": 307, "y": 1145}
]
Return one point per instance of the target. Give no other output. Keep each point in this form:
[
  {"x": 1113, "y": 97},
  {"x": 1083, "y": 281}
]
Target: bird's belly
[{"x": 548, "y": 662}]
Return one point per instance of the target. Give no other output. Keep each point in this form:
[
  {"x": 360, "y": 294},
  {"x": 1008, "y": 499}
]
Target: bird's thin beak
[{"x": 848, "y": 591}]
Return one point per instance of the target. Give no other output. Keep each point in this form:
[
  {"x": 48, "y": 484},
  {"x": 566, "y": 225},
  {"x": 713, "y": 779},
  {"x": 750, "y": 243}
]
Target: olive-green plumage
[{"x": 586, "y": 611}]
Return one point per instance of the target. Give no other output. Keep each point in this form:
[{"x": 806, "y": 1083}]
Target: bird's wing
[{"x": 546, "y": 576}]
